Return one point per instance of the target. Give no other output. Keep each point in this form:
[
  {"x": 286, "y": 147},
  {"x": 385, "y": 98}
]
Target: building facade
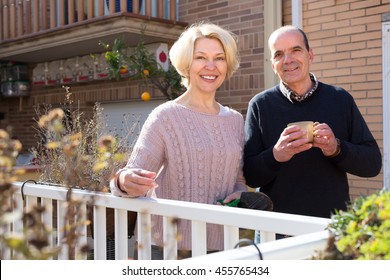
[{"x": 350, "y": 40}]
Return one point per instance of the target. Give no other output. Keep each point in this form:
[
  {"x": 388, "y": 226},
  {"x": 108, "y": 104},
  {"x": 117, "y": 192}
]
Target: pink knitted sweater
[{"x": 199, "y": 157}]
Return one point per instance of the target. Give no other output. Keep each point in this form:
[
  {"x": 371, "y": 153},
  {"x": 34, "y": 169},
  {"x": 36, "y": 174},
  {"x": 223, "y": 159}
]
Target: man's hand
[
  {"x": 325, "y": 139},
  {"x": 292, "y": 141}
]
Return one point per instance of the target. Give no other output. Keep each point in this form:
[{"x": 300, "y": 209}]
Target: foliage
[
  {"x": 363, "y": 231},
  {"x": 142, "y": 66}
]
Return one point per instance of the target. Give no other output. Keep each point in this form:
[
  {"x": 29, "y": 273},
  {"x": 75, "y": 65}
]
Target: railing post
[
  {"x": 160, "y": 9},
  {"x": 28, "y": 17},
  {"x": 80, "y": 11},
  {"x": 53, "y": 14},
  {"x": 99, "y": 233},
  {"x": 82, "y": 240},
  {"x": 266, "y": 236},
  {"x": 144, "y": 234},
  {"x": 1, "y": 21},
  {"x": 111, "y": 6},
  {"x": 123, "y": 5},
  {"x": 172, "y": 10},
  {"x": 148, "y": 8},
  {"x": 20, "y": 18},
  {"x": 136, "y": 7},
  {"x": 121, "y": 235},
  {"x": 6, "y": 19},
  {"x": 71, "y": 11},
  {"x": 101, "y": 8},
  {"x": 61, "y": 212},
  {"x": 12, "y": 18},
  {"x": 47, "y": 216},
  {"x": 43, "y": 15},
  {"x": 90, "y": 9},
  {"x": 231, "y": 236},
  {"x": 199, "y": 238},
  {"x": 62, "y": 12},
  {"x": 35, "y": 16},
  {"x": 170, "y": 238}
]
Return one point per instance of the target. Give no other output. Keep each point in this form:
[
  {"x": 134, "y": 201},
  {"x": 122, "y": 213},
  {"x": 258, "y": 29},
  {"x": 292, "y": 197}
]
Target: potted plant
[{"x": 142, "y": 66}]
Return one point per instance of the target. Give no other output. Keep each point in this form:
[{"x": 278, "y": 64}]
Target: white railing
[
  {"x": 309, "y": 232},
  {"x": 298, "y": 247}
]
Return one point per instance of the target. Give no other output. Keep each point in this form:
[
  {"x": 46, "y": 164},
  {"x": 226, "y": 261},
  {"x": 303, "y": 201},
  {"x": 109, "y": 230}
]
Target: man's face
[{"x": 290, "y": 59}]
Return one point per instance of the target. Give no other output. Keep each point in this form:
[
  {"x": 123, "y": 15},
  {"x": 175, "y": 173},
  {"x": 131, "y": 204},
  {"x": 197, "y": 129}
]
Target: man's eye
[{"x": 277, "y": 55}]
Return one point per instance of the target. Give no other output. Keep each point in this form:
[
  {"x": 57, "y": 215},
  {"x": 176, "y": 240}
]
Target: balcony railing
[
  {"x": 23, "y": 18},
  {"x": 309, "y": 234},
  {"x": 32, "y": 31}
]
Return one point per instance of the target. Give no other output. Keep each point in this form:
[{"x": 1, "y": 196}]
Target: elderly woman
[{"x": 190, "y": 148}]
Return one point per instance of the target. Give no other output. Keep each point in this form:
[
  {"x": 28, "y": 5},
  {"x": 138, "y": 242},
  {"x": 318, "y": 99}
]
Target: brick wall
[
  {"x": 346, "y": 37},
  {"x": 21, "y": 113},
  {"x": 244, "y": 18}
]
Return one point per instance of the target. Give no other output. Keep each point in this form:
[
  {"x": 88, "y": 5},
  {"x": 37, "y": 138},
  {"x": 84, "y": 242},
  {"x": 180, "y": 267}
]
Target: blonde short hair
[{"x": 181, "y": 53}]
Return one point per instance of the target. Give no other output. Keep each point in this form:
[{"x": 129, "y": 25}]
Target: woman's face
[{"x": 209, "y": 67}]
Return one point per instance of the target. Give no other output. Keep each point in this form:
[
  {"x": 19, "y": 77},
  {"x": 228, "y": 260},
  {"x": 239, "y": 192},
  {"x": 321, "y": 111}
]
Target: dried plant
[
  {"x": 74, "y": 152},
  {"x": 33, "y": 241},
  {"x": 80, "y": 152},
  {"x": 77, "y": 152},
  {"x": 9, "y": 150}
]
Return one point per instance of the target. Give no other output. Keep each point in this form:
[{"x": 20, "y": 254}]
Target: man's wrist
[{"x": 338, "y": 149}]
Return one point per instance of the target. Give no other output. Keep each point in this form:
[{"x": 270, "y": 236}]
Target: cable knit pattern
[{"x": 199, "y": 157}]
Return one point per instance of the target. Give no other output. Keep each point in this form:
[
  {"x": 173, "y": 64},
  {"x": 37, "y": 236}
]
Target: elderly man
[{"x": 302, "y": 176}]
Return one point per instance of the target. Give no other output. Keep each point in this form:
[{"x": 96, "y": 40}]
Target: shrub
[{"x": 363, "y": 231}]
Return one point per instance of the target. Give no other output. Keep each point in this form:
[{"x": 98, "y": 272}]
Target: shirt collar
[{"x": 293, "y": 96}]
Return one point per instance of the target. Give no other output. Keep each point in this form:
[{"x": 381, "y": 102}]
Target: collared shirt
[{"x": 293, "y": 96}]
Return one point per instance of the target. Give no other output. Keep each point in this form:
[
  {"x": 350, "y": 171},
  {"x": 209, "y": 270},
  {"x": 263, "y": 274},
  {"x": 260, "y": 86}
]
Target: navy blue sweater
[{"x": 310, "y": 183}]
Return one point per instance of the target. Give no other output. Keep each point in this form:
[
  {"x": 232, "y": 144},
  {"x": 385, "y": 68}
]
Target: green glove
[{"x": 232, "y": 203}]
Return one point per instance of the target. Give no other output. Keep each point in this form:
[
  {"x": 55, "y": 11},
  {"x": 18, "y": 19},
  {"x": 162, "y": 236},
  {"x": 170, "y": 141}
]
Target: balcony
[{"x": 45, "y": 30}]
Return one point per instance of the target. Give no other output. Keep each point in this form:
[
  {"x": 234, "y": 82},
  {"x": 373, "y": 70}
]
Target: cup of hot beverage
[{"x": 307, "y": 126}]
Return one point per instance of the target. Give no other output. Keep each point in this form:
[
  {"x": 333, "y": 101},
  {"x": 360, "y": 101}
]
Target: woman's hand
[
  {"x": 136, "y": 182},
  {"x": 231, "y": 197}
]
